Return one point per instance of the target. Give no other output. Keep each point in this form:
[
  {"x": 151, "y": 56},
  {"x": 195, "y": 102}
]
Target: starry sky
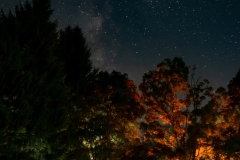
[{"x": 133, "y": 36}]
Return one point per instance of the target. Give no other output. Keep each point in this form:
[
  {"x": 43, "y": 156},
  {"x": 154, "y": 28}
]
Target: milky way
[{"x": 134, "y": 36}]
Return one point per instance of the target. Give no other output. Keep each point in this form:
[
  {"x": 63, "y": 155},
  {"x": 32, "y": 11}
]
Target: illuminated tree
[
  {"x": 173, "y": 106},
  {"x": 233, "y": 118},
  {"x": 112, "y": 125},
  {"x": 224, "y": 132}
]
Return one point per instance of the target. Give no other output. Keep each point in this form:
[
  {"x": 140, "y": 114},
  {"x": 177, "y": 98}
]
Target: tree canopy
[{"x": 55, "y": 104}]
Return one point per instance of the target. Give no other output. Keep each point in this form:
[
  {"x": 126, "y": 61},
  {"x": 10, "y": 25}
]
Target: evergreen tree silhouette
[
  {"x": 31, "y": 78},
  {"x": 79, "y": 77}
]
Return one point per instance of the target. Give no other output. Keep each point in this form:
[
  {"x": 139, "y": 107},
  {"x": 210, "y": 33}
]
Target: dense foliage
[{"x": 56, "y": 105}]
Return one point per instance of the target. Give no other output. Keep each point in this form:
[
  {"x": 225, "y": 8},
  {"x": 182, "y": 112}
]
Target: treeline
[{"x": 56, "y": 105}]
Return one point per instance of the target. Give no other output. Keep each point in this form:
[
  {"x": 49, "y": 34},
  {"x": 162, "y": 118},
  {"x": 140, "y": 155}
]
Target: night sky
[{"x": 133, "y": 36}]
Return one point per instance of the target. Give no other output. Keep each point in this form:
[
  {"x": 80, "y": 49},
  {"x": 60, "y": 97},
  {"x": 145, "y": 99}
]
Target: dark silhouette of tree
[
  {"x": 57, "y": 93},
  {"x": 32, "y": 107},
  {"x": 79, "y": 77},
  {"x": 75, "y": 54}
]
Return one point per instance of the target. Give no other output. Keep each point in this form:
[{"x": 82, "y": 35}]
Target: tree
[
  {"x": 33, "y": 104},
  {"x": 119, "y": 107},
  {"x": 56, "y": 105},
  {"x": 110, "y": 123},
  {"x": 75, "y": 53},
  {"x": 224, "y": 132},
  {"x": 173, "y": 109},
  {"x": 79, "y": 76},
  {"x": 232, "y": 116},
  {"x": 159, "y": 94}
]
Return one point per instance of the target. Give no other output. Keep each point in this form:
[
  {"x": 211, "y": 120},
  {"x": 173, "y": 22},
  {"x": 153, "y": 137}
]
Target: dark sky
[{"x": 133, "y": 36}]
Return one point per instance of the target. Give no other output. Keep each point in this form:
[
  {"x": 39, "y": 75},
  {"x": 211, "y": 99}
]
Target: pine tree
[
  {"x": 32, "y": 108},
  {"x": 79, "y": 76}
]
